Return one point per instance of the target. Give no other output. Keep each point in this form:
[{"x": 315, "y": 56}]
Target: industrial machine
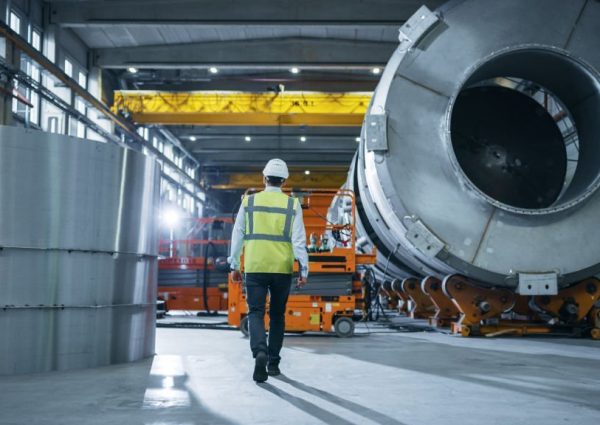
[
  {"x": 479, "y": 166},
  {"x": 192, "y": 272},
  {"x": 335, "y": 290}
]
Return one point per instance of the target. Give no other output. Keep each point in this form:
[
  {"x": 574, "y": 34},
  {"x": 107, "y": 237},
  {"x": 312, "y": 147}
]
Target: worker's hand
[
  {"x": 302, "y": 281},
  {"x": 236, "y": 276}
]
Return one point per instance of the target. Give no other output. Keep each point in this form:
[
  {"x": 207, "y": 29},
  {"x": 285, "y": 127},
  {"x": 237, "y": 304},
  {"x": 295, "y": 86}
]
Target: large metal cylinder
[
  {"x": 78, "y": 252},
  {"x": 462, "y": 168}
]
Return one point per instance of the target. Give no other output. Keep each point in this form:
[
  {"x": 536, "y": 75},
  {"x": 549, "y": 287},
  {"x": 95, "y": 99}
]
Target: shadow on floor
[
  {"x": 306, "y": 406},
  {"x": 359, "y": 409}
]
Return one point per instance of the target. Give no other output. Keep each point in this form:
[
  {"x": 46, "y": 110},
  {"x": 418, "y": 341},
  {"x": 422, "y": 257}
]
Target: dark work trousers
[{"x": 257, "y": 287}]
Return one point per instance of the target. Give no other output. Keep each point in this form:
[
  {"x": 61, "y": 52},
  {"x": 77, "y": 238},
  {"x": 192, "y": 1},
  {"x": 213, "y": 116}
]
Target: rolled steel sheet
[
  {"x": 78, "y": 252},
  {"x": 455, "y": 173}
]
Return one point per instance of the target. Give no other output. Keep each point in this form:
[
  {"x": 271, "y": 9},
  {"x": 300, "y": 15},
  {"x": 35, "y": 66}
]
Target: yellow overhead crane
[
  {"x": 224, "y": 108},
  {"x": 316, "y": 180}
]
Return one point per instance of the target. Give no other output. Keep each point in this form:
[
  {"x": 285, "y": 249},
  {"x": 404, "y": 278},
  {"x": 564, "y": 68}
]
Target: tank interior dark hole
[{"x": 509, "y": 146}]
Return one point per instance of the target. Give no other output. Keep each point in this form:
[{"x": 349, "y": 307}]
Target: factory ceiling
[{"x": 237, "y": 45}]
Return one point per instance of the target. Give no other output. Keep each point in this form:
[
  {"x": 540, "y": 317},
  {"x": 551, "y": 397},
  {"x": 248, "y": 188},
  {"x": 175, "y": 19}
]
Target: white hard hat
[{"x": 276, "y": 168}]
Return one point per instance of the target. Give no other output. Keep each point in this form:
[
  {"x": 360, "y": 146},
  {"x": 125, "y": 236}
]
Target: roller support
[
  {"x": 476, "y": 303},
  {"x": 392, "y": 296},
  {"x": 446, "y": 311},
  {"x": 484, "y": 310},
  {"x": 397, "y": 288},
  {"x": 424, "y": 307},
  {"x": 573, "y": 304}
]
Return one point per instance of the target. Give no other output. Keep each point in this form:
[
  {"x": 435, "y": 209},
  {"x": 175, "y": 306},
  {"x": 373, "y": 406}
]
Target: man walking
[{"x": 270, "y": 228}]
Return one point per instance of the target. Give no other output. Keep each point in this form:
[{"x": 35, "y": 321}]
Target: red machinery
[{"x": 192, "y": 273}]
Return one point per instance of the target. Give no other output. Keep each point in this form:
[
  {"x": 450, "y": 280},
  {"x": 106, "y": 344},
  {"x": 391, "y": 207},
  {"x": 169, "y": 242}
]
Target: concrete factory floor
[{"x": 204, "y": 377}]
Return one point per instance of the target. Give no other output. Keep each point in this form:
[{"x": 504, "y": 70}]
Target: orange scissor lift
[{"x": 334, "y": 289}]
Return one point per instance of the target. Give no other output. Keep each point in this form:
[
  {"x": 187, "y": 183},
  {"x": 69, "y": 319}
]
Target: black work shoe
[
  {"x": 273, "y": 370},
  {"x": 260, "y": 371}
]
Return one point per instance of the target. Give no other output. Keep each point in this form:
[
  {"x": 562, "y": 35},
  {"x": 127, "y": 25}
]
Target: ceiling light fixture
[
  {"x": 376, "y": 70},
  {"x": 307, "y": 172},
  {"x": 247, "y": 139},
  {"x": 213, "y": 70},
  {"x": 295, "y": 70},
  {"x": 193, "y": 138},
  {"x": 357, "y": 140},
  {"x": 132, "y": 70},
  {"x": 303, "y": 139}
]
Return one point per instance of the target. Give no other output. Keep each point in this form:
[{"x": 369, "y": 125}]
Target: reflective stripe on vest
[
  {"x": 289, "y": 215},
  {"x": 268, "y": 234}
]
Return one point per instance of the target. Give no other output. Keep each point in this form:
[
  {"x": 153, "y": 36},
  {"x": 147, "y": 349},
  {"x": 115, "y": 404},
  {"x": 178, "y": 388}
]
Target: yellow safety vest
[{"x": 268, "y": 239}]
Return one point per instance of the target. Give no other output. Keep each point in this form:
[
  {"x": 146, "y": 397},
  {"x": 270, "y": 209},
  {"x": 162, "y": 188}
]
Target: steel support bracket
[
  {"x": 418, "y": 26},
  {"x": 423, "y": 239},
  {"x": 376, "y": 132},
  {"x": 538, "y": 283}
]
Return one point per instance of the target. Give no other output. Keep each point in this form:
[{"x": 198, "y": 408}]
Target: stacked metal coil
[{"x": 78, "y": 252}]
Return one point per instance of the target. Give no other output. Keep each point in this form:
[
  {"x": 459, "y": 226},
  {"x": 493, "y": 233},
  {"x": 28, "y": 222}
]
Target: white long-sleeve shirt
[{"x": 298, "y": 237}]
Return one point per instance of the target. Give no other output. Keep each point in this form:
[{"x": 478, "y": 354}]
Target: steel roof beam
[
  {"x": 261, "y": 53},
  {"x": 235, "y": 12}
]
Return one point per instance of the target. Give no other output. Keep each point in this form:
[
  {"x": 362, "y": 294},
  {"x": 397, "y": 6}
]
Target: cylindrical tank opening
[{"x": 524, "y": 130}]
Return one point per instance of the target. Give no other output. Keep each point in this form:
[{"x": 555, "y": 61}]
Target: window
[
  {"x": 82, "y": 79},
  {"x": 34, "y": 113},
  {"x": 35, "y": 73},
  {"x": 178, "y": 160},
  {"x": 68, "y": 68},
  {"x": 80, "y": 130},
  {"x": 168, "y": 151},
  {"x": 36, "y": 39},
  {"x": 15, "y": 22},
  {"x": 191, "y": 172},
  {"x": 143, "y": 132},
  {"x": 50, "y": 48},
  {"x": 80, "y": 105},
  {"x": 53, "y": 124},
  {"x": 15, "y": 102}
]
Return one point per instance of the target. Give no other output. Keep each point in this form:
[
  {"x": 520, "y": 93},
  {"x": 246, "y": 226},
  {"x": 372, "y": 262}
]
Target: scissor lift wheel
[{"x": 344, "y": 327}]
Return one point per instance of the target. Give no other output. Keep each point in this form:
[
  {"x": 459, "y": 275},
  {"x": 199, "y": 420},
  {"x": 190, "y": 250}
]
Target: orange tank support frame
[
  {"x": 446, "y": 311},
  {"x": 476, "y": 304},
  {"x": 483, "y": 308},
  {"x": 572, "y": 304},
  {"x": 423, "y": 307}
]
